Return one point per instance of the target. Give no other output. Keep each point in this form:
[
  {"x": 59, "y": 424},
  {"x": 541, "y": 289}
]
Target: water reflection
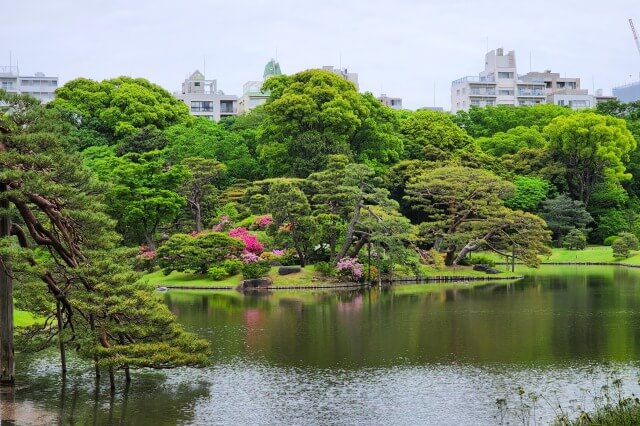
[
  {"x": 415, "y": 354},
  {"x": 560, "y": 315},
  {"x": 45, "y": 397}
]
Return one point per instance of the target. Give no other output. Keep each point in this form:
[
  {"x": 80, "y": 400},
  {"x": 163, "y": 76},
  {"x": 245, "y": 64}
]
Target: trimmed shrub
[
  {"x": 630, "y": 240},
  {"x": 620, "y": 249},
  {"x": 481, "y": 259},
  {"x": 232, "y": 266},
  {"x": 609, "y": 240},
  {"x": 254, "y": 270},
  {"x": 198, "y": 252},
  {"x": 326, "y": 268},
  {"x": 575, "y": 240},
  {"x": 217, "y": 273}
]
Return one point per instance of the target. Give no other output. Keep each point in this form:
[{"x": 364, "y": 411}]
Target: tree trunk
[
  {"x": 197, "y": 215},
  {"x": 350, "y": 231},
  {"x": 300, "y": 257},
  {"x": 468, "y": 248},
  {"x": 449, "y": 258},
  {"x": 361, "y": 242},
  {"x": 92, "y": 324},
  {"x": 7, "y": 363},
  {"x": 63, "y": 357},
  {"x": 112, "y": 379},
  {"x": 151, "y": 243}
]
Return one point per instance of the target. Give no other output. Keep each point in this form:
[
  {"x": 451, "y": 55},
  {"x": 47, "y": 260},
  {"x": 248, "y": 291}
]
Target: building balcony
[
  {"x": 533, "y": 92},
  {"x": 473, "y": 79},
  {"x": 478, "y": 92}
]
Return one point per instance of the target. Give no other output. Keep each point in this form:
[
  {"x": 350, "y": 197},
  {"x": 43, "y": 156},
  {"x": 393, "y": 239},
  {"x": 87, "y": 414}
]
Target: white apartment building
[
  {"x": 38, "y": 85},
  {"x": 205, "y": 100},
  {"x": 500, "y": 84},
  {"x": 395, "y": 103},
  {"x": 344, "y": 73}
]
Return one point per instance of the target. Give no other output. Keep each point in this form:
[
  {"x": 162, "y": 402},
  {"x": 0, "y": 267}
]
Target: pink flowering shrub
[
  {"x": 146, "y": 258},
  {"x": 251, "y": 243},
  {"x": 146, "y": 252},
  {"x": 248, "y": 257},
  {"x": 262, "y": 222},
  {"x": 350, "y": 268},
  {"x": 222, "y": 224},
  {"x": 277, "y": 252}
]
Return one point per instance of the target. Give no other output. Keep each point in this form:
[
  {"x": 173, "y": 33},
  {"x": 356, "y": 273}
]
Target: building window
[
  {"x": 201, "y": 106},
  {"x": 197, "y": 84},
  {"x": 505, "y": 75},
  {"x": 505, "y": 92},
  {"x": 226, "y": 107}
]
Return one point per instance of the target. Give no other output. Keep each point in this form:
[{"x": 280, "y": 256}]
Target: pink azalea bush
[
  {"x": 146, "y": 253},
  {"x": 146, "y": 258},
  {"x": 277, "y": 252},
  {"x": 248, "y": 257},
  {"x": 350, "y": 267},
  {"x": 262, "y": 222},
  {"x": 222, "y": 223},
  {"x": 251, "y": 243}
]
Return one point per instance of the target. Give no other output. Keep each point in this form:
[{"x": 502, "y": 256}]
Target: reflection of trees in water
[{"x": 149, "y": 399}]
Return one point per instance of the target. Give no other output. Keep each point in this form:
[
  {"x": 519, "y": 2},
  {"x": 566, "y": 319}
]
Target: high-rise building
[
  {"x": 500, "y": 84},
  {"x": 205, "y": 100},
  {"x": 38, "y": 85},
  {"x": 395, "y": 103},
  {"x": 252, "y": 94},
  {"x": 627, "y": 93}
]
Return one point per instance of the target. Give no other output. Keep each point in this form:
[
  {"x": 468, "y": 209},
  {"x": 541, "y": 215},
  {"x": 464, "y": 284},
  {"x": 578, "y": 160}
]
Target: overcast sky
[{"x": 402, "y": 48}]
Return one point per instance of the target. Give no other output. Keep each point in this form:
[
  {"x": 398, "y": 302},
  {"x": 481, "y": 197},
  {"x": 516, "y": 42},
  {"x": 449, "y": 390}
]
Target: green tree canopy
[
  {"x": 120, "y": 106},
  {"x": 563, "y": 214},
  {"x": 315, "y": 113},
  {"x": 183, "y": 252},
  {"x": 207, "y": 139},
  {"x": 61, "y": 236},
  {"x": 530, "y": 191},
  {"x": 432, "y": 135},
  {"x": 463, "y": 212},
  {"x": 592, "y": 146},
  {"x": 144, "y": 193},
  {"x": 512, "y": 141},
  {"x": 292, "y": 217},
  {"x": 487, "y": 121}
]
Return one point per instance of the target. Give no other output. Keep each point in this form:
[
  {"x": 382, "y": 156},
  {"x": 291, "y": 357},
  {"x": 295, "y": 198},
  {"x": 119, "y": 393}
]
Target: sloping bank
[
  {"x": 591, "y": 256},
  {"x": 309, "y": 279}
]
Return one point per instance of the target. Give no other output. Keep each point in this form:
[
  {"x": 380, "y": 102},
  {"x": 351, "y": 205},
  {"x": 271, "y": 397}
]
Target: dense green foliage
[
  {"x": 64, "y": 250},
  {"x": 319, "y": 174},
  {"x": 575, "y": 240},
  {"x": 198, "y": 253}
]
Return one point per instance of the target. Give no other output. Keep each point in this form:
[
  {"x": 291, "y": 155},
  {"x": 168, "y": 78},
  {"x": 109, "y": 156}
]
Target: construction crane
[{"x": 635, "y": 34}]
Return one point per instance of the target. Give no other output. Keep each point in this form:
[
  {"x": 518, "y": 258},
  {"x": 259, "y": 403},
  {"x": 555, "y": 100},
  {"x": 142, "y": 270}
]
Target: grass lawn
[
  {"x": 182, "y": 279},
  {"x": 23, "y": 319},
  {"x": 592, "y": 254}
]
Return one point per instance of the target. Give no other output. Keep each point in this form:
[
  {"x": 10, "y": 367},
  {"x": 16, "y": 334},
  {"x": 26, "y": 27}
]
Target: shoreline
[{"x": 402, "y": 280}]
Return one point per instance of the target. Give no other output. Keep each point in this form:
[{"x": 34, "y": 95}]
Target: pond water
[{"x": 413, "y": 354}]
